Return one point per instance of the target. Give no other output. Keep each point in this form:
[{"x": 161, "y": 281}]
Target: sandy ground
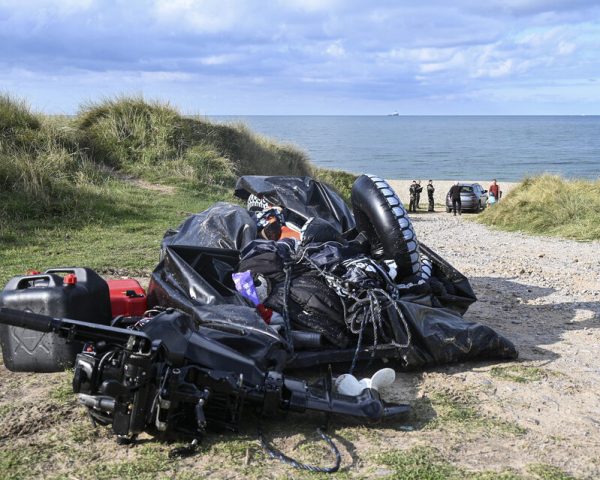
[
  {"x": 442, "y": 187},
  {"x": 543, "y": 409},
  {"x": 543, "y": 294}
]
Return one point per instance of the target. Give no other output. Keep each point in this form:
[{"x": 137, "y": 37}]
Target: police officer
[
  {"x": 430, "y": 190},
  {"x": 418, "y": 194},
  {"x": 455, "y": 197},
  {"x": 412, "y": 206}
]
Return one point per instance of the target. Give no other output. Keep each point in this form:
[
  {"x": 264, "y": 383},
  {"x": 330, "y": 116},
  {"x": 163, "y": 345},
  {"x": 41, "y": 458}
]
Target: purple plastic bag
[{"x": 245, "y": 285}]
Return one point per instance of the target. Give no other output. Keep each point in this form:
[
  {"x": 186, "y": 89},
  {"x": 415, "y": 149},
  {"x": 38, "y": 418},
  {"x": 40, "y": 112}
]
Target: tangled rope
[
  {"x": 278, "y": 455},
  {"x": 365, "y": 304}
]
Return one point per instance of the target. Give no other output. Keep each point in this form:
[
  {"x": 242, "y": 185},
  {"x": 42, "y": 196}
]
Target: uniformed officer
[
  {"x": 430, "y": 190},
  {"x": 412, "y": 206}
]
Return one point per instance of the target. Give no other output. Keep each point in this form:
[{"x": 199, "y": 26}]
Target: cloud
[
  {"x": 311, "y": 5},
  {"x": 335, "y": 49},
  {"x": 218, "y": 59},
  {"x": 202, "y": 16},
  {"x": 347, "y": 52}
]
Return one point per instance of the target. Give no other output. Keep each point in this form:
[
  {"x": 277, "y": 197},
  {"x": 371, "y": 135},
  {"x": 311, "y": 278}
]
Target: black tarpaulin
[
  {"x": 301, "y": 198},
  {"x": 243, "y": 330},
  {"x": 190, "y": 276},
  {"x": 431, "y": 311},
  {"x": 224, "y": 225}
]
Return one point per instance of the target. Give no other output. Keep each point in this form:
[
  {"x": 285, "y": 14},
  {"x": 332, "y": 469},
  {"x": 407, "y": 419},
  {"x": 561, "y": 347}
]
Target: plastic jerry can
[
  {"x": 127, "y": 298},
  {"x": 80, "y": 295}
]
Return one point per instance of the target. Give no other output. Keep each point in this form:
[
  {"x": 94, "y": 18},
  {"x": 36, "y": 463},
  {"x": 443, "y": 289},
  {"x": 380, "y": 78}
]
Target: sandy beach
[{"x": 401, "y": 187}]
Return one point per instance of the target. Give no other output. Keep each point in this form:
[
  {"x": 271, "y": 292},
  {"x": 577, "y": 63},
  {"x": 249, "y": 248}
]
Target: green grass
[
  {"x": 62, "y": 393},
  {"x": 426, "y": 463},
  {"x": 521, "y": 373},
  {"x": 22, "y": 462},
  {"x": 150, "y": 462},
  {"x": 548, "y": 472},
  {"x": 459, "y": 411},
  {"x": 549, "y": 205},
  {"x": 123, "y": 239}
]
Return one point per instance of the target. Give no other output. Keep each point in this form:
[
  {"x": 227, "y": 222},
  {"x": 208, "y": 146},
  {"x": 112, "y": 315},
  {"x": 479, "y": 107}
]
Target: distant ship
[{"x": 395, "y": 114}]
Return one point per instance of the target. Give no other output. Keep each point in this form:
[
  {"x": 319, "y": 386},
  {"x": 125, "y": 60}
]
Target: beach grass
[
  {"x": 99, "y": 189},
  {"x": 549, "y": 205}
]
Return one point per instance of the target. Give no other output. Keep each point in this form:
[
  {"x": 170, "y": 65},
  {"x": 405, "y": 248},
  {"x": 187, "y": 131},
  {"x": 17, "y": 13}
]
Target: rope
[
  {"x": 367, "y": 303},
  {"x": 287, "y": 325},
  {"x": 278, "y": 455},
  {"x": 358, "y": 345}
]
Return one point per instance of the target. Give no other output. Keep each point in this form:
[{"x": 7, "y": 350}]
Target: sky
[{"x": 306, "y": 57}]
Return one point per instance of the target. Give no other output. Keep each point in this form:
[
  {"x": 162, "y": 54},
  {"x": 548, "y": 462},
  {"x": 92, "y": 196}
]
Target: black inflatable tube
[{"x": 380, "y": 214}]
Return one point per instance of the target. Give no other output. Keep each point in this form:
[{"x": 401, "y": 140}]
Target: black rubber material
[
  {"x": 426, "y": 267},
  {"x": 380, "y": 214}
]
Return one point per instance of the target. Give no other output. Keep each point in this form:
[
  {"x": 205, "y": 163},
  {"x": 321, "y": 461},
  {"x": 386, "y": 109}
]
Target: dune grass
[
  {"x": 43, "y": 168},
  {"x": 145, "y": 138},
  {"x": 68, "y": 189},
  {"x": 549, "y": 205}
]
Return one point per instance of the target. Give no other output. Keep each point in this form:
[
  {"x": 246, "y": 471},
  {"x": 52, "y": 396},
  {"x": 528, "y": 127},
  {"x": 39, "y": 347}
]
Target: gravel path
[{"x": 543, "y": 294}]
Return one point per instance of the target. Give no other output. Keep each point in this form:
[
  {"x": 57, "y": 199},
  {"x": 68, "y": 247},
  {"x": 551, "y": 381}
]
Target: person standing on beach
[
  {"x": 430, "y": 190},
  {"x": 495, "y": 190},
  {"x": 412, "y": 191},
  {"x": 418, "y": 194},
  {"x": 455, "y": 197}
]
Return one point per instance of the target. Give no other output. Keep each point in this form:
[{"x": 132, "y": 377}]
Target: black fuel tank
[{"x": 81, "y": 294}]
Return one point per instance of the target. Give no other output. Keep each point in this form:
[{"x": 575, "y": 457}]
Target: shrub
[
  {"x": 210, "y": 167},
  {"x": 15, "y": 116}
]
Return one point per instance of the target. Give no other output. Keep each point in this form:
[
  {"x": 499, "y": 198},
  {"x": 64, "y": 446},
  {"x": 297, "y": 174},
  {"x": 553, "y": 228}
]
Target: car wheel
[{"x": 448, "y": 209}]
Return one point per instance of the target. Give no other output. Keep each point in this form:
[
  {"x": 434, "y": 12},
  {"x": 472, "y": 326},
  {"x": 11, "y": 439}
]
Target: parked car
[{"x": 472, "y": 196}]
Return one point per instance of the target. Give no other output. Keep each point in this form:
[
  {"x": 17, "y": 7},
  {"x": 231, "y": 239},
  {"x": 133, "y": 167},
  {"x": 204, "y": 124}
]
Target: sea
[{"x": 509, "y": 148}]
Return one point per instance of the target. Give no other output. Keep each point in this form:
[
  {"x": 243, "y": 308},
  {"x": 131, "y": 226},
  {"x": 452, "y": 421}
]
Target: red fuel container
[{"x": 127, "y": 298}]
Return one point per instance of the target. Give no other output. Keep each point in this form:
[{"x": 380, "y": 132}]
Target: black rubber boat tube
[{"x": 381, "y": 215}]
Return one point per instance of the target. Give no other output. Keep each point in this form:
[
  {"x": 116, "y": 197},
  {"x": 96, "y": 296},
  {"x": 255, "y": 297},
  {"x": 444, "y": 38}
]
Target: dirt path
[
  {"x": 536, "y": 418},
  {"x": 543, "y": 294}
]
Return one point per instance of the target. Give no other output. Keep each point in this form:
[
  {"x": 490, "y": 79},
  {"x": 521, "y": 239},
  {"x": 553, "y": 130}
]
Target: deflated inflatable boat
[
  {"x": 240, "y": 296},
  {"x": 357, "y": 284}
]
